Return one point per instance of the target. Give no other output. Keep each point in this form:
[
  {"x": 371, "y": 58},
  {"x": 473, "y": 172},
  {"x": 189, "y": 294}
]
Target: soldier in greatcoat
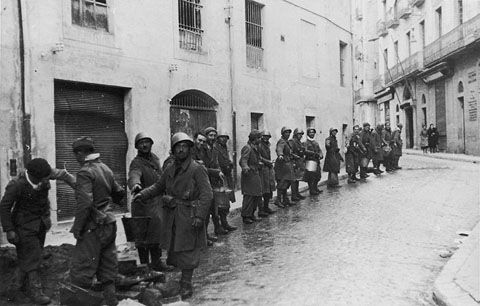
[
  {"x": 226, "y": 165},
  {"x": 387, "y": 148},
  {"x": 187, "y": 196},
  {"x": 94, "y": 226},
  {"x": 298, "y": 153},
  {"x": 313, "y": 152},
  {"x": 267, "y": 173},
  {"x": 251, "y": 182},
  {"x": 376, "y": 146},
  {"x": 145, "y": 171},
  {"x": 355, "y": 149},
  {"x": 397, "y": 144},
  {"x": 25, "y": 217},
  {"x": 332, "y": 159},
  {"x": 284, "y": 168},
  {"x": 365, "y": 138}
]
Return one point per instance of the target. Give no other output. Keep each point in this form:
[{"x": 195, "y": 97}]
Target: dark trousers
[
  {"x": 30, "y": 246},
  {"x": 95, "y": 254},
  {"x": 250, "y": 204},
  {"x": 183, "y": 259},
  {"x": 149, "y": 253}
]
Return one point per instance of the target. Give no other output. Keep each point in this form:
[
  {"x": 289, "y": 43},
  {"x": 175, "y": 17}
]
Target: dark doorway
[
  {"x": 409, "y": 132},
  {"x": 441, "y": 120},
  {"x": 192, "y": 111}
]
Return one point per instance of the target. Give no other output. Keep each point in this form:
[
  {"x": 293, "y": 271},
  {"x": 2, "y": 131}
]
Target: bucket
[
  {"x": 221, "y": 197},
  {"x": 311, "y": 165},
  {"x": 136, "y": 228}
]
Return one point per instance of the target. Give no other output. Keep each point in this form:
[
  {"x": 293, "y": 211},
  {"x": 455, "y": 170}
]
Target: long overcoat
[
  {"x": 365, "y": 138},
  {"x": 284, "y": 167},
  {"x": 250, "y": 182},
  {"x": 313, "y": 152},
  {"x": 376, "y": 143},
  {"x": 188, "y": 184},
  {"x": 146, "y": 171},
  {"x": 226, "y": 166},
  {"x": 354, "y": 150},
  {"x": 333, "y": 157},
  {"x": 397, "y": 142},
  {"x": 299, "y": 160},
  {"x": 266, "y": 173}
]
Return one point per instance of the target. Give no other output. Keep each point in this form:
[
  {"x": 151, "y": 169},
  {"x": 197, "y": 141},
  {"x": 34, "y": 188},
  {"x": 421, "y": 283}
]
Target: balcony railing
[
  {"x": 381, "y": 28},
  {"x": 405, "y": 68},
  {"x": 458, "y": 38}
]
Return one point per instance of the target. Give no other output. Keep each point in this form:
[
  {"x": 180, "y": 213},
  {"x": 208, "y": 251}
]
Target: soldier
[
  {"x": 332, "y": 159},
  {"x": 352, "y": 158},
  {"x": 144, "y": 171},
  {"x": 387, "y": 148},
  {"x": 397, "y": 144},
  {"x": 226, "y": 165},
  {"x": 187, "y": 196},
  {"x": 376, "y": 145},
  {"x": 313, "y": 153},
  {"x": 298, "y": 162},
  {"x": 365, "y": 157},
  {"x": 94, "y": 226},
  {"x": 251, "y": 182},
  {"x": 267, "y": 174},
  {"x": 25, "y": 216},
  {"x": 283, "y": 168}
]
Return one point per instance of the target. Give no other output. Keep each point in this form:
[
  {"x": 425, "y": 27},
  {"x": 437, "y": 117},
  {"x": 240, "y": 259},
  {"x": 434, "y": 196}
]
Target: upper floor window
[
  {"x": 343, "y": 55},
  {"x": 438, "y": 20},
  {"x": 422, "y": 33},
  {"x": 190, "y": 24},
  {"x": 460, "y": 11},
  {"x": 254, "y": 33},
  {"x": 409, "y": 43},
  {"x": 90, "y": 14}
]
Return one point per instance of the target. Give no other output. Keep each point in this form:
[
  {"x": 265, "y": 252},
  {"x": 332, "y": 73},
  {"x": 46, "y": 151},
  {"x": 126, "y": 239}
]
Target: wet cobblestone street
[{"x": 371, "y": 243}]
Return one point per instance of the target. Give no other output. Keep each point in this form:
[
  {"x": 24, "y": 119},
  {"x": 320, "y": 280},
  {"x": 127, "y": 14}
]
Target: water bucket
[
  {"x": 221, "y": 197},
  {"x": 311, "y": 165},
  {"x": 136, "y": 228}
]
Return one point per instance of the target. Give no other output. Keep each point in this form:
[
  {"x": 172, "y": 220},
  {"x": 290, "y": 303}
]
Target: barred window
[
  {"x": 190, "y": 24},
  {"x": 253, "y": 25},
  {"x": 90, "y": 13}
]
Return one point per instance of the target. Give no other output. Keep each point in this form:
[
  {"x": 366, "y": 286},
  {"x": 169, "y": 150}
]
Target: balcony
[
  {"x": 405, "y": 12},
  {"x": 417, "y": 3},
  {"x": 405, "y": 68},
  {"x": 381, "y": 28},
  {"x": 455, "y": 40},
  {"x": 392, "y": 23}
]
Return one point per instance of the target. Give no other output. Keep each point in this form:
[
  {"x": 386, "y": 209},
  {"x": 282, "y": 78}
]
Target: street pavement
[{"x": 381, "y": 242}]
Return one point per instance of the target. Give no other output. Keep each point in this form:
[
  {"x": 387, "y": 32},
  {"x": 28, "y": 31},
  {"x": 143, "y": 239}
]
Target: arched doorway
[
  {"x": 409, "y": 124},
  {"x": 192, "y": 111}
]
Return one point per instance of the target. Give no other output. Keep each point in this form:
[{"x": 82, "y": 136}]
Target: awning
[{"x": 437, "y": 72}]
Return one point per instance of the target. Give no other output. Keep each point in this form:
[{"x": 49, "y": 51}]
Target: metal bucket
[
  {"x": 136, "y": 228},
  {"x": 221, "y": 197},
  {"x": 311, "y": 165}
]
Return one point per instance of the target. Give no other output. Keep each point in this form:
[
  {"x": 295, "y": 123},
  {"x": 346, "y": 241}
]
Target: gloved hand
[
  {"x": 136, "y": 189},
  {"x": 137, "y": 197},
  {"x": 12, "y": 237},
  {"x": 197, "y": 222},
  {"x": 167, "y": 199}
]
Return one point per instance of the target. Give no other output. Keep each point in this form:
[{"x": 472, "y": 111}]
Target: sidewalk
[{"x": 458, "y": 284}]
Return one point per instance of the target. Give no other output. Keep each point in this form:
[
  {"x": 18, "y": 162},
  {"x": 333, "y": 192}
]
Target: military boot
[
  {"x": 278, "y": 199},
  {"x": 219, "y": 230},
  {"x": 16, "y": 284},
  {"x": 286, "y": 200},
  {"x": 36, "y": 289},
  {"x": 223, "y": 220},
  {"x": 157, "y": 263},
  {"x": 186, "y": 287},
  {"x": 267, "y": 209}
]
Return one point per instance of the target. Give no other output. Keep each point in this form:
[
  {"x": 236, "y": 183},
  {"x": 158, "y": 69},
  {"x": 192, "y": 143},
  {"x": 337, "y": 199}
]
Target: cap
[
  {"x": 209, "y": 129},
  {"x": 365, "y": 124},
  {"x": 83, "y": 142},
  {"x": 255, "y": 134}
]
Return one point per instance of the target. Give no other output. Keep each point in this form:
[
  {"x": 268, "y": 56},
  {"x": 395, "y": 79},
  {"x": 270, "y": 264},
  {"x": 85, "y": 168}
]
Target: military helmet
[
  {"x": 285, "y": 129},
  {"x": 266, "y": 133},
  {"x": 209, "y": 130},
  {"x": 140, "y": 136},
  {"x": 298, "y": 131},
  {"x": 223, "y": 133},
  {"x": 255, "y": 134},
  {"x": 311, "y": 129},
  {"x": 179, "y": 137}
]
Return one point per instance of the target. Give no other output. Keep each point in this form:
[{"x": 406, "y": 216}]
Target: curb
[
  {"x": 447, "y": 288},
  {"x": 446, "y": 156}
]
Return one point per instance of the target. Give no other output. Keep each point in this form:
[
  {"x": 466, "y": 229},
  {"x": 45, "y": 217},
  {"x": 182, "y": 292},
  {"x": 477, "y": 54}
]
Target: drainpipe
[
  {"x": 233, "y": 113},
  {"x": 26, "y": 126}
]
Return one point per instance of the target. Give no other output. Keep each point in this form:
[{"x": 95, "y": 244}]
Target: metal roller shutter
[{"x": 88, "y": 110}]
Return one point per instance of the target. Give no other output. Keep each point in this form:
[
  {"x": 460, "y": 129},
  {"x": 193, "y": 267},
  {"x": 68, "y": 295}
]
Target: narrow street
[{"x": 372, "y": 243}]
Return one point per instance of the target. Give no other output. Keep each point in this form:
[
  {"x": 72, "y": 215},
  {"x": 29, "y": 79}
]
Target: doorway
[{"x": 409, "y": 132}]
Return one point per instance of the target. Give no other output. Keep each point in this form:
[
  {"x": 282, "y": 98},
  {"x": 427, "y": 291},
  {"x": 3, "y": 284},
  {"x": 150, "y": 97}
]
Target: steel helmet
[
  {"x": 285, "y": 129},
  {"x": 223, "y": 133},
  {"x": 311, "y": 129},
  {"x": 298, "y": 131},
  {"x": 266, "y": 133},
  {"x": 179, "y": 137},
  {"x": 140, "y": 136}
]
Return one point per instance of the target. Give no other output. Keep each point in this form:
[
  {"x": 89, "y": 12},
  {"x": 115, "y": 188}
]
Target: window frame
[
  {"x": 254, "y": 34},
  {"x": 82, "y": 19},
  {"x": 190, "y": 25}
]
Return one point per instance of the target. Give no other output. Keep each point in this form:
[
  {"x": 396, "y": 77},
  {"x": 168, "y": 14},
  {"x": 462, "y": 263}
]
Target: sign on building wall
[{"x": 472, "y": 96}]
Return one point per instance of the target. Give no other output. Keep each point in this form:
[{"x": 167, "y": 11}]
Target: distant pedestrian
[
  {"x": 432, "y": 138},
  {"x": 187, "y": 196},
  {"x": 424, "y": 139},
  {"x": 397, "y": 146},
  {"x": 251, "y": 182},
  {"x": 298, "y": 154},
  {"x": 145, "y": 171},
  {"x": 355, "y": 149},
  {"x": 376, "y": 145},
  {"x": 94, "y": 226},
  {"x": 267, "y": 173},
  {"x": 333, "y": 159},
  {"x": 314, "y": 154},
  {"x": 283, "y": 168},
  {"x": 25, "y": 218},
  {"x": 226, "y": 166}
]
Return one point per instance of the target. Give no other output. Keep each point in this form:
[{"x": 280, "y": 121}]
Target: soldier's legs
[
  {"x": 266, "y": 201},
  {"x": 142, "y": 250},
  {"x": 85, "y": 259},
  {"x": 248, "y": 208},
  {"x": 223, "y": 213}
]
